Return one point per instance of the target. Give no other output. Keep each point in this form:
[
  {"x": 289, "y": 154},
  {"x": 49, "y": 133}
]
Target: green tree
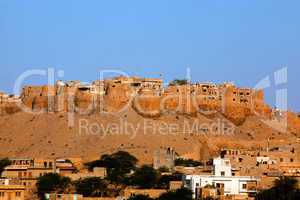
[
  {"x": 91, "y": 187},
  {"x": 180, "y": 194},
  {"x": 187, "y": 162},
  {"x": 118, "y": 165},
  {"x": 140, "y": 197},
  {"x": 284, "y": 188},
  {"x": 4, "y": 163},
  {"x": 51, "y": 182},
  {"x": 163, "y": 169},
  {"x": 164, "y": 181},
  {"x": 145, "y": 177},
  {"x": 179, "y": 82}
]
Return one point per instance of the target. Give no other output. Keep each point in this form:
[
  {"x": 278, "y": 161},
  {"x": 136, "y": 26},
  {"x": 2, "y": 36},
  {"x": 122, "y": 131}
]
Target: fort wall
[{"x": 147, "y": 96}]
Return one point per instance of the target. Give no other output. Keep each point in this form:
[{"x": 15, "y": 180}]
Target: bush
[
  {"x": 91, "y": 187},
  {"x": 145, "y": 177},
  {"x": 164, "y": 181},
  {"x": 178, "y": 82},
  {"x": 180, "y": 194},
  {"x": 163, "y": 169},
  {"x": 140, "y": 197},
  {"x": 4, "y": 163},
  {"x": 118, "y": 165},
  {"x": 187, "y": 162},
  {"x": 284, "y": 189},
  {"x": 51, "y": 182}
]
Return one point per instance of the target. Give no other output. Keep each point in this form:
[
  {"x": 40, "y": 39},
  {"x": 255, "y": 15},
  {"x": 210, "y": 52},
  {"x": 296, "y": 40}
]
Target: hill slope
[{"x": 198, "y": 137}]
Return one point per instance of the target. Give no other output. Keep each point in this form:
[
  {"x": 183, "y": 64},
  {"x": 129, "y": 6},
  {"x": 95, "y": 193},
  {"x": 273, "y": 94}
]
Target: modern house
[{"x": 223, "y": 179}]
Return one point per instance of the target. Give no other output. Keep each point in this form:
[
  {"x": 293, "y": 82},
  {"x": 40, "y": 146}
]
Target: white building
[{"x": 222, "y": 178}]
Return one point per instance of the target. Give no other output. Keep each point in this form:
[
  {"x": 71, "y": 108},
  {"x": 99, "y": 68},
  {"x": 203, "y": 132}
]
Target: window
[
  {"x": 281, "y": 159},
  {"x": 187, "y": 182},
  {"x": 2, "y": 194},
  {"x": 222, "y": 173},
  {"x": 50, "y": 164},
  {"x": 293, "y": 150},
  {"x": 244, "y": 186},
  {"x": 292, "y": 160}
]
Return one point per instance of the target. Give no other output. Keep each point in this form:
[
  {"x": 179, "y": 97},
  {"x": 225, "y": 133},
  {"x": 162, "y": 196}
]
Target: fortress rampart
[{"x": 146, "y": 96}]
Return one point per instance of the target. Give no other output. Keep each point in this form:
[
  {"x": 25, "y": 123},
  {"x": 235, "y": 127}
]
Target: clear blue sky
[{"x": 219, "y": 40}]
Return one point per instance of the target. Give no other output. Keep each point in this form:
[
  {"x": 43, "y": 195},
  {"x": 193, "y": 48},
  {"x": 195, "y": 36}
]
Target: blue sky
[{"x": 219, "y": 40}]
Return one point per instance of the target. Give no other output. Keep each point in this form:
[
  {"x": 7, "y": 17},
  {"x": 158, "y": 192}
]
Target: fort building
[
  {"x": 26, "y": 171},
  {"x": 150, "y": 97},
  {"x": 10, "y": 190},
  {"x": 164, "y": 158}
]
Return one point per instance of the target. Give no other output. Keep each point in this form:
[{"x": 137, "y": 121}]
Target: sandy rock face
[
  {"x": 38, "y": 98},
  {"x": 237, "y": 114},
  {"x": 118, "y": 97},
  {"x": 179, "y": 99},
  {"x": 40, "y": 103},
  {"x": 293, "y": 121},
  {"x": 147, "y": 104},
  {"x": 83, "y": 101}
]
